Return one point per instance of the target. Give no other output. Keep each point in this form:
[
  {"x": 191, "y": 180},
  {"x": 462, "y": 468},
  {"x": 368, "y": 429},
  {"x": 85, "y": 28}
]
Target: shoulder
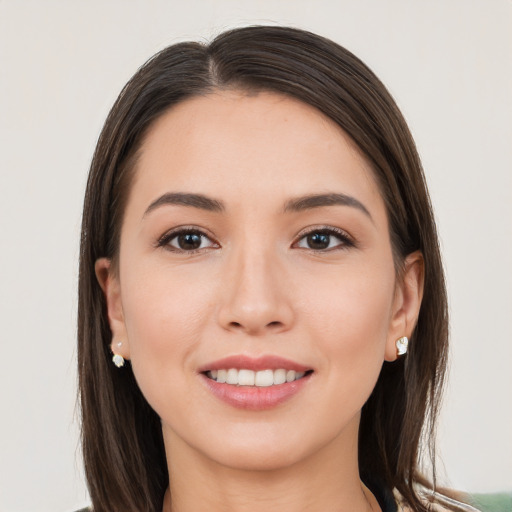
[{"x": 436, "y": 502}]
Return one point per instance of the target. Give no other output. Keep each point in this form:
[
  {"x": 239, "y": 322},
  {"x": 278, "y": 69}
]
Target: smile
[
  {"x": 262, "y": 378},
  {"x": 255, "y": 383}
]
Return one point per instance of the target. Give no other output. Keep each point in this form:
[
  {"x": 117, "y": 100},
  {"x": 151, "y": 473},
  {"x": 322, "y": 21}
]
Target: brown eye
[
  {"x": 187, "y": 241},
  {"x": 324, "y": 239},
  {"x": 318, "y": 240}
]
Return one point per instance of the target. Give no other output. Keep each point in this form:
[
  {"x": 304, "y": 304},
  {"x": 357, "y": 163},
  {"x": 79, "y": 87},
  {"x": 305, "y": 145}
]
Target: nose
[{"x": 255, "y": 297}]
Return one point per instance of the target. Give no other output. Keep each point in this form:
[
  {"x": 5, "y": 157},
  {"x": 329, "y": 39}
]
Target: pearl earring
[
  {"x": 401, "y": 346},
  {"x": 118, "y": 359}
]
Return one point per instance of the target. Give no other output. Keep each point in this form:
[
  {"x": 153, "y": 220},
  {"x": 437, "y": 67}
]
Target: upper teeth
[{"x": 262, "y": 378}]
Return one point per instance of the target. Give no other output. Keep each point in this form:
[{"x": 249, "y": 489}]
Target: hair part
[{"x": 121, "y": 434}]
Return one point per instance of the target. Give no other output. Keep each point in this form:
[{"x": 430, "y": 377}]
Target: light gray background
[{"x": 62, "y": 64}]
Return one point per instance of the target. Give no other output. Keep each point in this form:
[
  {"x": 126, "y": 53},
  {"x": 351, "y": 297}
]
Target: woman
[{"x": 258, "y": 247}]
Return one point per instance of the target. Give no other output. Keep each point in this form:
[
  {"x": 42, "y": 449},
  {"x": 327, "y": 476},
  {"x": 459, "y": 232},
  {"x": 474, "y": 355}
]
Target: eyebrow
[
  {"x": 298, "y": 204},
  {"x": 185, "y": 199},
  {"x": 319, "y": 200}
]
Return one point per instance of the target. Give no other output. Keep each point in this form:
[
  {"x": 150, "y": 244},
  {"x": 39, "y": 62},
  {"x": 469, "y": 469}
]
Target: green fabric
[{"x": 497, "y": 502}]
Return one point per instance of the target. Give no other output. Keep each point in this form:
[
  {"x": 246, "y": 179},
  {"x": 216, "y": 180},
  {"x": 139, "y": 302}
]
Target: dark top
[{"x": 383, "y": 495}]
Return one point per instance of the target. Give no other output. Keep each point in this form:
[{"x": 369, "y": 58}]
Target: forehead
[{"x": 229, "y": 144}]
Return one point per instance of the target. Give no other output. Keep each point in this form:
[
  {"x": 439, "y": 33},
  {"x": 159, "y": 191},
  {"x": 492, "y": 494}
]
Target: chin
[
  {"x": 269, "y": 449},
  {"x": 257, "y": 458}
]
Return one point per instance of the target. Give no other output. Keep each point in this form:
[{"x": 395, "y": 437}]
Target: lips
[
  {"x": 254, "y": 363},
  {"x": 255, "y": 383}
]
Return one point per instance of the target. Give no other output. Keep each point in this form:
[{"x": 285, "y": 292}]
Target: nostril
[{"x": 255, "y": 327}]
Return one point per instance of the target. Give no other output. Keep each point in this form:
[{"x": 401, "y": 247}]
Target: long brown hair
[{"x": 121, "y": 435}]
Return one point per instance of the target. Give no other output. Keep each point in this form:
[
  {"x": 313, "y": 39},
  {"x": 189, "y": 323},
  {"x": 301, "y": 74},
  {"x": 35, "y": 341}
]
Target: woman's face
[{"x": 255, "y": 239}]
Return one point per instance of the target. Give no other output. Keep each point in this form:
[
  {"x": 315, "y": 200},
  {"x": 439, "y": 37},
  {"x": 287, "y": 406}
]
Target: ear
[
  {"x": 406, "y": 303},
  {"x": 110, "y": 285}
]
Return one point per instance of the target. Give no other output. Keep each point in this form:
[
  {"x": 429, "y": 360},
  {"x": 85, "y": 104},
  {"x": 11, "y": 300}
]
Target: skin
[{"x": 256, "y": 287}]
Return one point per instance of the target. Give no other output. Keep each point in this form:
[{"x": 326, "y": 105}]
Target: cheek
[
  {"x": 164, "y": 313},
  {"x": 349, "y": 318},
  {"x": 352, "y": 300}
]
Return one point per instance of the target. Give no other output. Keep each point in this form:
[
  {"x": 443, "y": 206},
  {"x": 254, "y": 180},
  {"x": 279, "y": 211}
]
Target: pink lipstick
[{"x": 255, "y": 383}]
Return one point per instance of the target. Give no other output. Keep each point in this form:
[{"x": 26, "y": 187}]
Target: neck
[{"x": 326, "y": 480}]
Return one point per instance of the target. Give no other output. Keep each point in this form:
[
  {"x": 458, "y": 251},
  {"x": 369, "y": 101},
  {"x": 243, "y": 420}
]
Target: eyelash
[
  {"x": 346, "y": 241},
  {"x": 164, "y": 241}
]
